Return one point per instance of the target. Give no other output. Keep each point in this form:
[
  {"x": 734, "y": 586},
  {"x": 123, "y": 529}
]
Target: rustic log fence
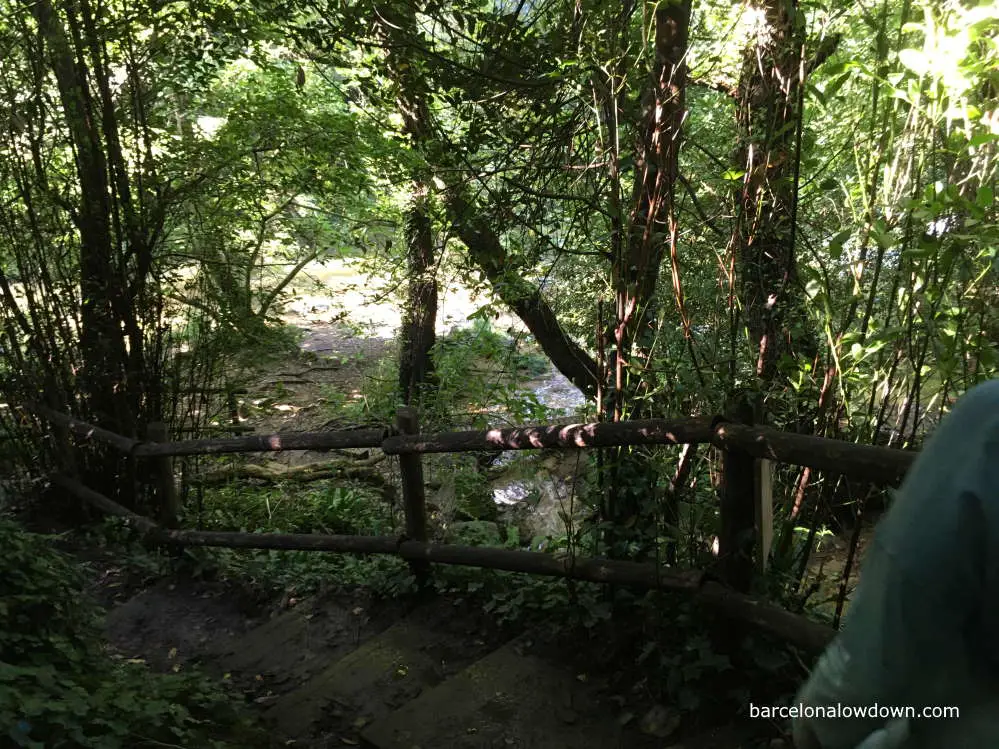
[{"x": 745, "y": 501}]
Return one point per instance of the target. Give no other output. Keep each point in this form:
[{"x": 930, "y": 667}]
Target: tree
[
  {"x": 396, "y": 25},
  {"x": 769, "y": 114}
]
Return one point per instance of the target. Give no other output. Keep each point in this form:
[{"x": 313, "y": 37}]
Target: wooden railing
[{"x": 745, "y": 501}]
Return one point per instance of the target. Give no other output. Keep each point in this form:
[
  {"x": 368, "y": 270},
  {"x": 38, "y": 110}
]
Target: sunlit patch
[
  {"x": 274, "y": 442},
  {"x": 210, "y": 125},
  {"x": 511, "y": 494}
]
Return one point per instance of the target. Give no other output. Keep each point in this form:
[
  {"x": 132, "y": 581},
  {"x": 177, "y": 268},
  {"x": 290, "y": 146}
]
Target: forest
[{"x": 225, "y": 219}]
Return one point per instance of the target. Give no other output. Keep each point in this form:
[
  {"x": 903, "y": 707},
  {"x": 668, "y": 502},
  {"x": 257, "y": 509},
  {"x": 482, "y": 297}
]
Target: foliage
[
  {"x": 323, "y": 507},
  {"x": 478, "y": 380},
  {"x": 302, "y": 573},
  {"x": 59, "y": 688},
  {"x": 319, "y": 507},
  {"x": 481, "y": 371}
]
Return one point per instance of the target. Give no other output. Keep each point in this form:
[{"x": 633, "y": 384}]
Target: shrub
[{"x": 59, "y": 687}]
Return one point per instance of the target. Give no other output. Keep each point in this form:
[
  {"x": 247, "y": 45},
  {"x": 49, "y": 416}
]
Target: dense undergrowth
[{"x": 59, "y": 685}]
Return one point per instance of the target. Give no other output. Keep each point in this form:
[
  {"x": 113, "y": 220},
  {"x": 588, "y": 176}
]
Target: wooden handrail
[
  {"x": 84, "y": 429},
  {"x": 571, "y": 436},
  {"x": 267, "y": 443},
  {"x": 793, "y": 628},
  {"x": 882, "y": 465}
]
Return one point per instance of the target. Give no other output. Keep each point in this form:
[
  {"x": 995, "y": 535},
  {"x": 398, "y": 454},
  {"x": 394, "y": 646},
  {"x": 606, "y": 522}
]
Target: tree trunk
[
  {"x": 523, "y": 298},
  {"x": 115, "y": 240},
  {"x": 653, "y": 222},
  {"x": 769, "y": 110},
  {"x": 397, "y": 25},
  {"x": 632, "y": 505},
  {"x": 103, "y": 371},
  {"x": 418, "y": 334}
]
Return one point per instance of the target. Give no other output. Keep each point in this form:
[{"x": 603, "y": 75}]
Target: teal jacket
[{"x": 922, "y": 629}]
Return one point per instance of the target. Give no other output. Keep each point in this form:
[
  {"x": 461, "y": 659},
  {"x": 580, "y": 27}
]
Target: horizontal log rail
[
  {"x": 793, "y": 628},
  {"x": 607, "y": 434},
  {"x": 882, "y": 465},
  {"x": 84, "y": 430},
  {"x": 266, "y": 443}
]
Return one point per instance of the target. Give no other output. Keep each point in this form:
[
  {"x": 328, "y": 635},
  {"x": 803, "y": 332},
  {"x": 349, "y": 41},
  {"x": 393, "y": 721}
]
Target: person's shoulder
[{"x": 974, "y": 417}]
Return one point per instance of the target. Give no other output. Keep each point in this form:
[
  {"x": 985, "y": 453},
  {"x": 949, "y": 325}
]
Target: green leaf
[
  {"x": 836, "y": 244},
  {"x": 833, "y": 87}
]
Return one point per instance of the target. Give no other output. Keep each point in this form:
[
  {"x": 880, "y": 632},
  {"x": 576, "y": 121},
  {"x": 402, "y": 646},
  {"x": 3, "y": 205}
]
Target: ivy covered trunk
[
  {"x": 418, "y": 334},
  {"x": 397, "y": 25}
]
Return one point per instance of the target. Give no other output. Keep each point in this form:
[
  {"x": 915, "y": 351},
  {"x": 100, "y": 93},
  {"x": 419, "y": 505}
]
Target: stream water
[{"x": 538, "y": 491}]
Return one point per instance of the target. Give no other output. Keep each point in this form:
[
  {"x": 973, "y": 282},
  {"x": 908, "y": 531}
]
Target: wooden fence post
[
  {"x": 737, "y": 519},
  {"x": 739, "y": 505},
  {"x": 162, "y": 469},
  {"x": 413, "y": 497}
]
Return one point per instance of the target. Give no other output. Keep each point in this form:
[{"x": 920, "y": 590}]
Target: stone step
[
  {"x": 506, "y": 700},
  {"x": 368, "y": 683},
  {"x": 294, "y": 646}
]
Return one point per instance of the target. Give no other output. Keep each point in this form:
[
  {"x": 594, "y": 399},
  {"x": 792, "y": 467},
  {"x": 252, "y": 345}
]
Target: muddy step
[
  {"x": 292, "y": 647},
  {"x": 368, "y": 683},
  {"x": 506, "y": 700},
  {"x": 178, "y": 621}
]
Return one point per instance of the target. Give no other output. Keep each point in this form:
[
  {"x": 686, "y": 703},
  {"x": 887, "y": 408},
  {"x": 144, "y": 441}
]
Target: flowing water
[{"x": 539, "y": 490}]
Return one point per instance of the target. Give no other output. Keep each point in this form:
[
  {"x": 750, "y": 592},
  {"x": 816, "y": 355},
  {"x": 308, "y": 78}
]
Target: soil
[
  {"x": 290, "y": 396},
  {"x": 181, "y": 621}
]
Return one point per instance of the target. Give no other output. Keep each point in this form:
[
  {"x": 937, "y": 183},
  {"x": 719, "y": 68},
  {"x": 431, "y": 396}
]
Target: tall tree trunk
[
  {"x": 101, "y": 341},
  {"x": 769, "y": 112},
  {"x": 397, "y": 25},
  {"x": 116, "y": 238},
  {"x": 632, "y": 504},
  {"x": 652, "y": 226}
]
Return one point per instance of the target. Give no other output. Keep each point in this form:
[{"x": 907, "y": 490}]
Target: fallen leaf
[{"x": 172, "y": 654}]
